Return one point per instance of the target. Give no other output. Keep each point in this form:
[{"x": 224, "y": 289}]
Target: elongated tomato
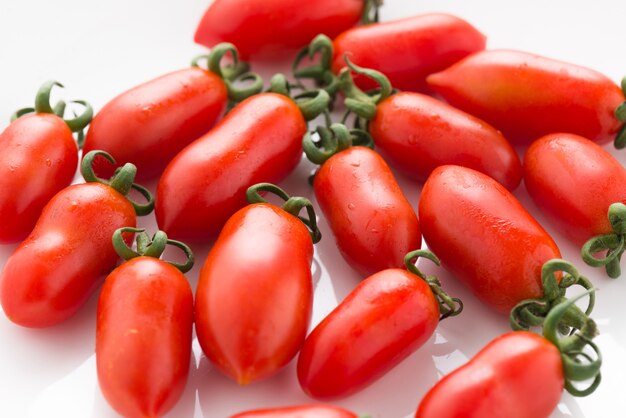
[
  {"x": 484, "y": 236},
  {"x": 373, "y": 223},
  {"x": 259, "y": 140},
  {"x": 527, "y": 96},
  {"x": 300, "y": 411},
  {"x": 383, "y": 320},
  {"x": 519, "y": 374},
  {"x": 418, "y": 133},
  {"x": 574, "y": 181},
  {"x": 408, "y": 50},
  {"x": 254, "y": 295},
  {"x": 269, "y": 29},
  {"x": 143, "y": 334},
  {"x": 149, "y": 124}
]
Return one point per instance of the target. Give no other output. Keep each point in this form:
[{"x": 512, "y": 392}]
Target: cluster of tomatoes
[{"x": 215, "y": 176}]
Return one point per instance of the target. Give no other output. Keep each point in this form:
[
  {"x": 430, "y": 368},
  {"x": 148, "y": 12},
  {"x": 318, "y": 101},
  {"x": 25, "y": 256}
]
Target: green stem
[
  {"x": 122, "y": 180},
  {"x": 613, "y": 243},
  {"x": 312, "y": 103},
  {"x": 333, "y": 139},
  {"x": 321, "y": 73},
  {"x": 620, "y": 114},
  {"x": 370, "y": 11},
  {"x": 292, "y": 205},
  {"x": 448, "y": 306},
  {"x": 150, "y": 247}
]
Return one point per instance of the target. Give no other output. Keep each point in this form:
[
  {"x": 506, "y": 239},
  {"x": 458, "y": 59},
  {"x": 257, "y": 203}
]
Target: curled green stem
[
  {"x": 578, "y": 366},
  {"x": 533, "y": 312},
  {"x": 293, "y": 205},
  {"x": 122, "y": 180},
  {"x": 620, "y": 114},
  {"x": 333, "y": 139},
  {"x": 321, "y": 72},
  {"x": 448, "y": 306},
  {"x": 370, "y": 11},
  {"x": 312, "y": 103},
  {"x": 150, "y": 247},
  {"x": 613, "y": 244}
]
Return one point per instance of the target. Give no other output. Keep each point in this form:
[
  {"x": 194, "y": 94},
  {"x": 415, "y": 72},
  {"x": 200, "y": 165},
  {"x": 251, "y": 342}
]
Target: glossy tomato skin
[
  {"x": 519, "y": 374},
  {"x": 149, "y": 124},
  {"x": 381, "y": 322},
  {"x": 272, "y": 29},
  {"x": 543, "y": 95},
  {"x": 143, "y": 337},
  {"x": 407, "y": 50},
  {"x": 373, "y": 223},
  {"x": 38, "y": 157},
  {"x": 484, "y": 236},
  {"x": 418, "y": 133},
  {"x": 62, "y": 262},
  {"x": 254, "y": 295},
  {"x": 300, "y": 411},
  {"x": 260, "y": 140},
  {"x": 574, "y": 181}
]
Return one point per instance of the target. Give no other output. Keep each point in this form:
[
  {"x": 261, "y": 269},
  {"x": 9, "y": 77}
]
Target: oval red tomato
[
  {"x": 143, "y": 337},
  {"x": 301, "y": 411},
  {"x": 373, "y": 223},
  {"x": 382, "y": 321},
  {"x": 254, "y": 295},
  {"x": 484, "y": 236},
  {"x": 408, "y": 50},
  {"x": 417, "y": 133},
  {"x": 259, "y": 140},
  {"x": 527, "y": 96},
  {"x": 270, "y": 29}
]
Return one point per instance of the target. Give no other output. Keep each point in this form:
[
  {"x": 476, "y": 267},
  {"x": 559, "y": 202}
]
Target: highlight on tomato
[
  {"x": 373, "y": 223},
  {"x": 520, "y": 374},
  {"x": 382, "y": 321},
  {"x": 150, "y": 123},
  {"x": 144, "y": 327},
  {"x": 299, "y": 411},
  {"x": 64, "y": 259},
  {"x": 418, "y": 133},
  {"x": 408, "y": 50},
  {"x": 576, "y": 183},
  {"x": 260, "y": 140},
  {"x": 254, "y": 296},
  {"x": 545, "y": 96},
  {"x": 38, "y": 158},
  {"x": 269, "y": 29},
  {"x": 484, "y": 236}
]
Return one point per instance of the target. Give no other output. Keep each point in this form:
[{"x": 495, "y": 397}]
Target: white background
[{"x": 99, "y": 49}]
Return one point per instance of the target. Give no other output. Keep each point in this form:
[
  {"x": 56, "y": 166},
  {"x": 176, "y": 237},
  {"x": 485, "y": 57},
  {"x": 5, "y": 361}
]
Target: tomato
[
  {"x": 269, "y": 29},
  {"x": 373, "y": 223},
  {"x": 38, "y": 157},
  {"x": 382, "y": 321},
  {"x": 259, "y": 140},
  {"x": 61, "y": 263},
  {"x": 519, "y": 374},
  {"x": 301, "y": 411},
  {"x": 408, "y": 50},
  {"x": 149, "y": 124},
  {"x": 143, "y": 334},
  {"x": 544, "y": 95},
  {"x": 484, "y": 236},
  {"x": 254, "y": 296}
]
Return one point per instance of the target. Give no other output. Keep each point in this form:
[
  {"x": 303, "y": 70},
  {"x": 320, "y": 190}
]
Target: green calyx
[
  {"x": 370, "y": 11},
  {"x": 533, "y": 312},
  {"x": 311, "y": 103},
  {"x": 150, "y": 247},
  {"x": 358, "y": 102},
  {"x": 239, "y": 81},
  {"x": 292, "y": 205},
  {"x": 613, "y": 244},
  {"x": 122, "y": 180},
  {"x": 448, "y": 306},
  {"x": 333, "y": 139},
  {"x": 42, "y": 105},
  {"x": 321, "y": 72},
  {"x": 578, "y": 365},
  {"x": 620, "y": 114}
]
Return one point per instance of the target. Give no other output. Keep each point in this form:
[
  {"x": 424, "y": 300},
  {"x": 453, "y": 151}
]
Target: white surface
[{"x": 99, "y": 49}]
